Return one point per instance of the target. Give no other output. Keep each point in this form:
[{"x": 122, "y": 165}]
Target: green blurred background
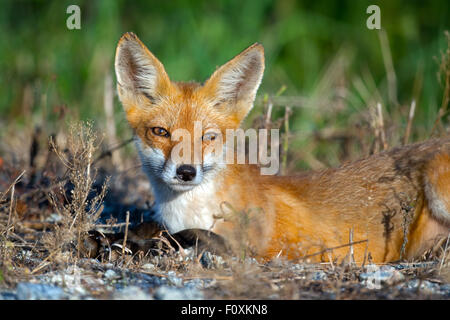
[{"x": 318, "y": 50}]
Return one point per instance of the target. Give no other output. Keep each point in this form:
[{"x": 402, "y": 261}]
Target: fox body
[{"x": 392, "y": 205}]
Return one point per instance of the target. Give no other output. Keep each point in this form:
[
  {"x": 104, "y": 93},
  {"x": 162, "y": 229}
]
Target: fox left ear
[
  {"x": 138, "y": 72},
  {"x": 236, "y": 82}
]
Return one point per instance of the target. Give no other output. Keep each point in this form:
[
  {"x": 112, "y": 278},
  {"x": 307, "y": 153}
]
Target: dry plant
[{"x": 80, "y": 209}]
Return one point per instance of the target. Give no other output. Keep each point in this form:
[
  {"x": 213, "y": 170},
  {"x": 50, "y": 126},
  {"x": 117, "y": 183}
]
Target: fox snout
[
  {"x": 186, "y": 172},
  {"x": 177, "y": 176},
  {"x": 180, "y": 176}
]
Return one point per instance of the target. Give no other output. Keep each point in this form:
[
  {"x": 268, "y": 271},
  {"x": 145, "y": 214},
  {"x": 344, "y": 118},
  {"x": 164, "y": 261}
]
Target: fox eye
[
  {"x": 211, "y": 136},
  {"x": 158, "y": 131}
]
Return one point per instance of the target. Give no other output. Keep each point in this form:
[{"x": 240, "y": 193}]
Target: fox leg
[{"x": 147, "y": 236}]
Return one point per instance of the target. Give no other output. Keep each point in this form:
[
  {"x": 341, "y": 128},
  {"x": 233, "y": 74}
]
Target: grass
[
  {"x": 54, "y": 187},
  {"x": 33, "y": 245}
]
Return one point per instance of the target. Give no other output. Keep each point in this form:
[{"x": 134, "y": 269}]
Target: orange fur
[{"x": 395, "y": 203}]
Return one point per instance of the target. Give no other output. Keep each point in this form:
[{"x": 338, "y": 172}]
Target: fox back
[{"x": 389, "y": 206}]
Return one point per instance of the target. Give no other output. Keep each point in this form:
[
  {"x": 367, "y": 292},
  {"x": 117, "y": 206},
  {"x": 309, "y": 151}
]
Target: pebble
[
  {"x": 318, "y": 276},
  {"x": 211, "y": 261},
  {"x": 38, "y": 291},
  {"x": 171, "y": 293},
  {"x": 425, "y": 286},
  {"x": 148, "y": 281},
  {"x": 54, "y": 217},
  {"x": 111, "y": 275},
  {"x": 131, "y": 293},
  {"x": 70, "y": 280},
  {"x": 72, "y": 283},
  {"x": 445, "y": 289},
  {"x": 196, "y": 283},
  {"x": 8, "y": 296},
  {"x": 174, "y": 279},
  {"x": 206, "y": 260},
  {"x": 298, "y": 266},
  {"x": 149, "y": 266},
  {"x": 376, "y": 276}
]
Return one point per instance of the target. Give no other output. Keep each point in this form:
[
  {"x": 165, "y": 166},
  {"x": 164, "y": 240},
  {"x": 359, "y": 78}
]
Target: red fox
[{"x": 392, "y": 205}]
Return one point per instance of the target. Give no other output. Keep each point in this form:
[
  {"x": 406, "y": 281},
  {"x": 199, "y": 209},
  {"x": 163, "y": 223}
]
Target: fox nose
[{"x": 186, "y": 172}]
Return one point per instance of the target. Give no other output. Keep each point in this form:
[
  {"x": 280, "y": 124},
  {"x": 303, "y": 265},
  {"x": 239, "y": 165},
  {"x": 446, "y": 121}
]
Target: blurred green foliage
[{"x": 43, "y": 61}]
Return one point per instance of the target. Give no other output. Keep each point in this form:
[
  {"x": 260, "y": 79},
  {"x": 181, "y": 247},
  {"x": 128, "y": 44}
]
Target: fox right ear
[
  {"x": 237, "y": 81},
  {"x": 138, "y": 71}
]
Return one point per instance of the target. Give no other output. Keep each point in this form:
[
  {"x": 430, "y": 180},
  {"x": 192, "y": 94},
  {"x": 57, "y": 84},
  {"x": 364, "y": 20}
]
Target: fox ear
[
  {"x": 236, "y": 82},
  {"x": 138, "y": 71}
]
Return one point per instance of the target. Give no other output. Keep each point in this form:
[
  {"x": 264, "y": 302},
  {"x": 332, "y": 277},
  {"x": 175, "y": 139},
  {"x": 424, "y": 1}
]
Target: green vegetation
[
  {"x": 320, "y": 51},
  {"x": 337, "y": 90}
]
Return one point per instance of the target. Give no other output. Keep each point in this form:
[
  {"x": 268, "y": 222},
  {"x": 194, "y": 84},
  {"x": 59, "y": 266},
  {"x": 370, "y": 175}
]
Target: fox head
[{"x": 158, "y": 110}]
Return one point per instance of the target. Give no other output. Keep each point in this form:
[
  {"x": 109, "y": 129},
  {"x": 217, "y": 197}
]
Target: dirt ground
[{"x": 52, "y": 198}]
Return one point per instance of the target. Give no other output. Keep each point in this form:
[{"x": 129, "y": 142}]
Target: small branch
[
  {"x": 15, "y": 182},
  {"x": 333, "y": 248}
]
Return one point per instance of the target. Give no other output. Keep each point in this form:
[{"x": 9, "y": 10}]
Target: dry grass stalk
[
  {"x": 444, "y": 255},
  {"x": 412, "y": 111},
  {"x": 351, "y": 251},
  {"x": 127, "y": 222},
  {"x": 268, "y": 116},
  {"x": 380, "y": 124},
  {"x": 11, "y": 185},
  {"x": 389, "y": 66},
  {"x": 365, "y": 254},
  {"x": 286, "y": 140}
]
